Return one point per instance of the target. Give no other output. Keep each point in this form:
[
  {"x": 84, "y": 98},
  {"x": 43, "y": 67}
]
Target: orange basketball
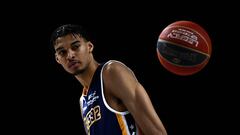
[{"x": 184, "y": 48}]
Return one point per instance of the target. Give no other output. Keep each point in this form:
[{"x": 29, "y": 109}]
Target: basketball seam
[{"x": 189, "y": 48}]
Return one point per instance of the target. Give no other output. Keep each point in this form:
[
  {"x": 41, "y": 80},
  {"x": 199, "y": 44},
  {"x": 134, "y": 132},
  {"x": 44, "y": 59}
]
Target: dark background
[{"x": 46, "y": 98}]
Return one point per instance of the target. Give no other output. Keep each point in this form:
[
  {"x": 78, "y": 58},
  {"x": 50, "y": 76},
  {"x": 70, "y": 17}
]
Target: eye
[
  {"x": 75, "y": 46},
  {"x": 62, "y": 52}
]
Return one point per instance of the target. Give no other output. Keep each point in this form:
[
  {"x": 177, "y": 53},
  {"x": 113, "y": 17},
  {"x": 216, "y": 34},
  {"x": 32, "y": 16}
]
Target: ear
[
  {"x": 90, "y": 46},
  {"x": 56, "y": 58}
]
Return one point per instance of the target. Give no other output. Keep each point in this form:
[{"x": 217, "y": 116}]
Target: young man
[{"x": 113, "y": 102}]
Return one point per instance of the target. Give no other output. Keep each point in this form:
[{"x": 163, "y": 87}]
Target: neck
[{"x": 86, "y": 77}]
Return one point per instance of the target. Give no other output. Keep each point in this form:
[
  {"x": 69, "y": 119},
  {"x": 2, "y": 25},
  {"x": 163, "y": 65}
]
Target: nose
[{"x": 71, "y": 54}]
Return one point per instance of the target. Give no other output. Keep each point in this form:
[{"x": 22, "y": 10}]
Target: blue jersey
[{"x": 99, "y": 118}]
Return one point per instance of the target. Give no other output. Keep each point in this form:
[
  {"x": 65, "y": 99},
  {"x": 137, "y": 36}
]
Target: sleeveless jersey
[{"x": 98, "y": 117}]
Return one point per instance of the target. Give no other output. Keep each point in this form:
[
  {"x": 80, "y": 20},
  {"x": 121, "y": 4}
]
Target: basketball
[{"x": 184, "y": 48}]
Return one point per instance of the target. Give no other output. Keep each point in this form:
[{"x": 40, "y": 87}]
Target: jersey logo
[{"x": 89, "y": 100}]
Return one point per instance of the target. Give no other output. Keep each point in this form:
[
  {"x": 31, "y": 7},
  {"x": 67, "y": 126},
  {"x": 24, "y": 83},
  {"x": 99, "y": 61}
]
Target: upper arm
[{"x": 122, "y": 83}]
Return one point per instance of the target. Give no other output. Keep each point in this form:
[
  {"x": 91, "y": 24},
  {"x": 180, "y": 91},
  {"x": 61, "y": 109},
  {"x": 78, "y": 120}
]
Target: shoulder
[
  {"x": 116, "y": 73},
  {"x": 115, "y": 67},
  {"x": 118, "y": 79}
]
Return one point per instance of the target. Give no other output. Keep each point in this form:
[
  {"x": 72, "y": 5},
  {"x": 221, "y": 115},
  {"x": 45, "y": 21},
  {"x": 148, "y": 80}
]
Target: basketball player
[{"x": 113, "y": 102}]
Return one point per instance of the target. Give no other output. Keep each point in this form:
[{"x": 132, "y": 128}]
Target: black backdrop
[{"x": 46, "y": 100}]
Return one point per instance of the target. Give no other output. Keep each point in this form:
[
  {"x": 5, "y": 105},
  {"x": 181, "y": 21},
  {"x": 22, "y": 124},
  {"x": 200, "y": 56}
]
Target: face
[{"x": 73, "y": 53}]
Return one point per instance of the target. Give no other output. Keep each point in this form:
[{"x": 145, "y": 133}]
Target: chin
[{"x": 79, "y": 71}]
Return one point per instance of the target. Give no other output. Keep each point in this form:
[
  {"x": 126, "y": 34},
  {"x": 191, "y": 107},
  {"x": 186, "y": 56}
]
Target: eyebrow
[
  {"x": 58, "y": 49},
  {"x": 75, "y": 42}
]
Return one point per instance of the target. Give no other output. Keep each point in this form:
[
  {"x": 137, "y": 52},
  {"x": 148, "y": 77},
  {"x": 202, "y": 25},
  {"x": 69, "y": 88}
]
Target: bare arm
[{"x": 122, "y": 83}]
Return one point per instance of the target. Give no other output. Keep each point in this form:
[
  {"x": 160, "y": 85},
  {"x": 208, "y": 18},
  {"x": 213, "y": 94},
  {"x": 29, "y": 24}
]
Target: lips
[{"x": 72, "y": 64}]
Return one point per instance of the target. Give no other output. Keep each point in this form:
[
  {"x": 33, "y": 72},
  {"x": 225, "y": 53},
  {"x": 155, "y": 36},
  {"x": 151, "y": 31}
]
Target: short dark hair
[{"x": 68, "y": 29}]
